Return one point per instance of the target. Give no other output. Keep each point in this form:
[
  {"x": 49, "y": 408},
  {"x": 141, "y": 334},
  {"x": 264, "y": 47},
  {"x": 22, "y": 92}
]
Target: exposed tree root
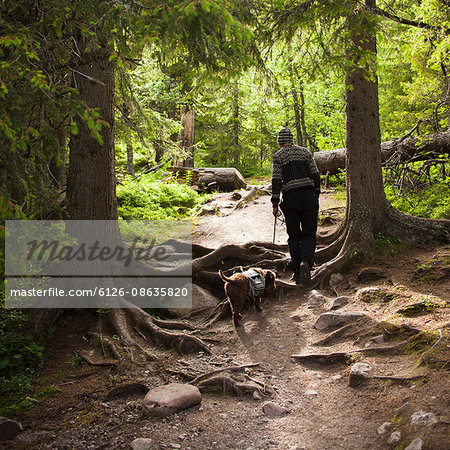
[
  {"x": 330, "y": 238},
  {"x": 172, "y": 324},
  {"x": 225, "y": 385},
  {"x": 125, "y": 320},
  {"x": 423, "y": 356},
  {"x": 322, "y": 274},
  {"x": 221, "y": 311},
  {"x": 323, "y": 359},
  {"x": 223, "y": 369},
  {"x": 329, "y": 252},
  {"x": 398, "y": 379},
  {"x": 333, "y": 336},
  {"x": 336, "y": 357},
  {"x": 93, "y": 361},
  {"x": 106, "y": 341},
  {"x": 414, "y": 230},
  {"x": 247, "y": 253},
  {"x": 272, "y": 264},
  {"x": 382, "y": 349}
]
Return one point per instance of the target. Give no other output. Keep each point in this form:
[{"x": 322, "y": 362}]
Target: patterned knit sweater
[{"x": 293, "y": 168}]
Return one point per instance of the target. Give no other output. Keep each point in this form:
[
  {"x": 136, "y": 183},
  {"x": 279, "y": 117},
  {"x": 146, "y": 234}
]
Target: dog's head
[{"x": 270, "y": 277}]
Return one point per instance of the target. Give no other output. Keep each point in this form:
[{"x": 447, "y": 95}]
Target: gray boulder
[
  {"x": 170, "y": 398},
  {"x": 423, "y": 418},
  {"x": 416, "y": 444},
  {"x": 338, "y": 302},
  {"x": 9, "y": 429},
  {"x": 272, "y": 410},
  {"x": 394, "y": 437},
  {"x": 334, "y": 319},
  {"x": 315, "y": 299},
  {"x": 359, "y": 372},
  {"x": 144, "y": 444}
]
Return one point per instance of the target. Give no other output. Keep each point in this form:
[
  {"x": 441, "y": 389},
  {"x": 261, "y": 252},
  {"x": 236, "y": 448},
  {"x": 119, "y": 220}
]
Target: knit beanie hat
[{"x": 285, "y": 136}]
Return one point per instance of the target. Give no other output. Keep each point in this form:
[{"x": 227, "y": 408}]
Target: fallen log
[
  {"x": 209, "y": 179},
  {"x": 221, "y": 179},
  {"x": 331, "y": 161}
]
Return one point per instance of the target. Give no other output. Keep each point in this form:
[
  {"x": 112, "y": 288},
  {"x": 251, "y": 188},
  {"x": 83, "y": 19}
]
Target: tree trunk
[
  {"x": 130, "y": 163},
  {"x": 236, "y": 127},
  {"x": 368, "y": 212},
  {"x": 57, "y": 164},
  {"x": 365, "y": 192},
  {"x": 298, "y": 126},
  {"x": 302, "y": 118},
  {"x": 404, "y": 149},
  {"x": 127, "y": 124},
  {"x": 223, "y": 178},
  {"x": 186, "y": 136},
  {"x": 159, "y": 148},
  {"x": 261, "y": 144},
  {"x": 91, "y": 182}
]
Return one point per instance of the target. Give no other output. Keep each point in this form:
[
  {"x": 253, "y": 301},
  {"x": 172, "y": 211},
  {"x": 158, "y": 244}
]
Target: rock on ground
[
  {"x": 9, "y": 428},
  {"x": 170, "y": 398},
  {"x": 315, "y": 299},
  {"x": 358, "y": 373},
  {"x": 423, "y": 418},
  {"x": 144, "y": 444},
  {"x": 415, "y": 445},
  {"x": 270, "y": 409},
  {"x": 394, "y": 437},
  {"x": 336, "y": 279},
  {"x": 404, "y": 411},
  {"x": 382, "y": 429},
  {"x": 338, "y": 302},
  {"x": 338, "y": 318}
]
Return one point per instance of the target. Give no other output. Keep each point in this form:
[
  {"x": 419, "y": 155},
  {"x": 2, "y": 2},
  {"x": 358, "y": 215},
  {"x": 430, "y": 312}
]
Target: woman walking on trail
[{"x": 296, "y": 177}]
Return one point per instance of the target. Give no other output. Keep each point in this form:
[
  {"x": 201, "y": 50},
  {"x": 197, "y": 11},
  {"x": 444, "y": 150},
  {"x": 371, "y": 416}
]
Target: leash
[{"x": 280, "y": 218}]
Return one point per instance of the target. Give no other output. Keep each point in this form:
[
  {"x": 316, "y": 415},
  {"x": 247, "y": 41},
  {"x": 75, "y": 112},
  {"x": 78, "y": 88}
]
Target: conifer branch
[{"x": 413, "y": 23}]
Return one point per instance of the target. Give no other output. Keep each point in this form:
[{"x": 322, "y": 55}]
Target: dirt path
[
  {"x": 323, "y": 411},
  {"x": 253, "y": 222}
]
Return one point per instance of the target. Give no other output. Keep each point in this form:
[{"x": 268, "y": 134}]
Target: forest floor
[{"x": 88, "y": 410}]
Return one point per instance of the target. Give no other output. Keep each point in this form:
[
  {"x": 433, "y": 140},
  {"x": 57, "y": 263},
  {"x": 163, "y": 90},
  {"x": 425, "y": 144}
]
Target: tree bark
[
  {"x": 368, "y": 212},
  {"x": 91, "y": 182},
  {"x": 236, "y": 127},
  {"x": 159, "y": 148},
  {"x": 365, "y": 192},
  {"x": 130, "y": 163},
  {"x": 186, "y": 136},
  {"x": 302, "y": 117},
  {"x": 57, "y": 164},
  {"x": 298, "y": 126}
]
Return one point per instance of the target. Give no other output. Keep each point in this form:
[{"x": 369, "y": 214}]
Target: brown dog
[{"x": 239, "y": 293}]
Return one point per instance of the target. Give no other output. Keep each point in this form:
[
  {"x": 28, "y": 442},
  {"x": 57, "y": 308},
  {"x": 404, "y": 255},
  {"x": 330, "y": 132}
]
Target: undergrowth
[
  {"x": 21, "y": 353},
  {"x": 432, "y": 202},
  {"x": 21, "y": 350},
  {"x": 149, "y": 199}
]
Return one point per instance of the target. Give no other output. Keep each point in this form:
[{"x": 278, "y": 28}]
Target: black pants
[{"x": 300, "y": 209}]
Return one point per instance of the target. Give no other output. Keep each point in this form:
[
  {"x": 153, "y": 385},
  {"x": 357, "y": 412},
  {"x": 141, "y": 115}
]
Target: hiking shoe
[
  {"x": 296, "y": 277},
  {"x": 305, "y": 273}
]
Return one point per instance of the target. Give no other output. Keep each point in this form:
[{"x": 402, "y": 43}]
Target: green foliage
[
  {"x": 148, "y": 199},
  {"x": 20, "y": 356},
  {"x": 429, "y": 199},
  {"x": 413, "y": 67}
]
